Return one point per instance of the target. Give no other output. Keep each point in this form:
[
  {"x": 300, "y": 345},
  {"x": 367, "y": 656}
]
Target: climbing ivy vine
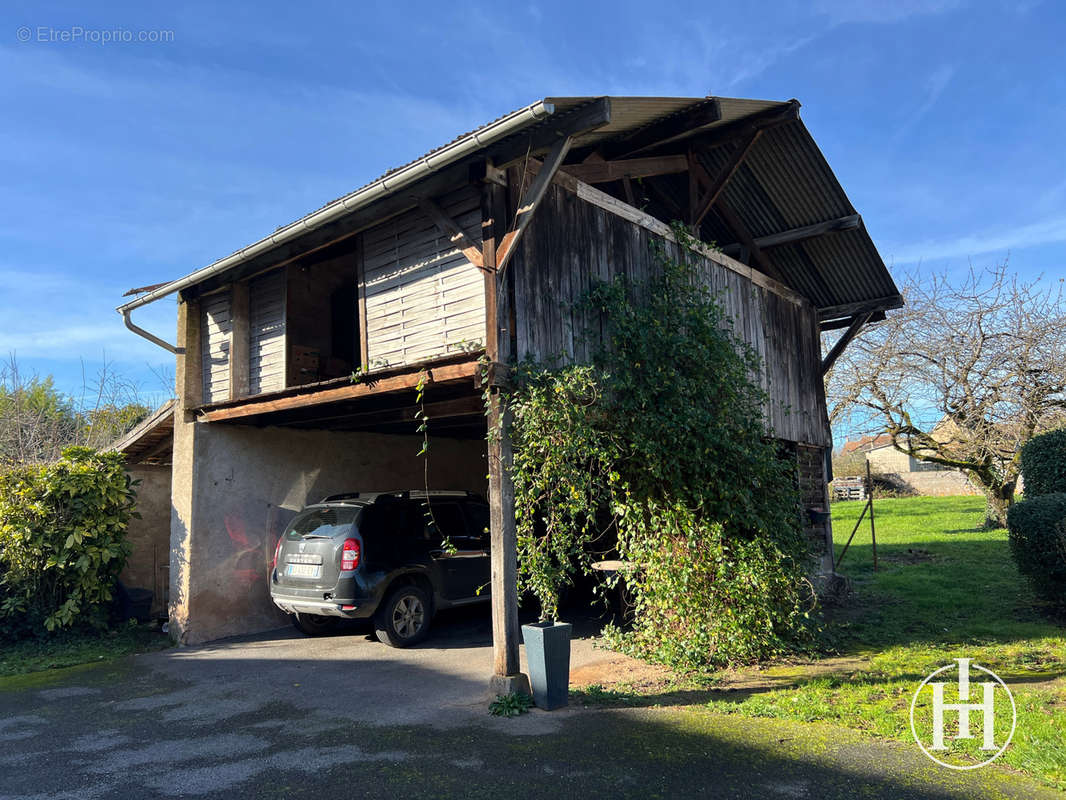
[{"x": 657, "y": 454}]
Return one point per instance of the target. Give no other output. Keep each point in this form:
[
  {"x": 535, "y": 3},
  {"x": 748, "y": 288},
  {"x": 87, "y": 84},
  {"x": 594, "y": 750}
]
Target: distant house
[
  {"x": 924, "y": 477},
  {"x": 866, "y": 443}
]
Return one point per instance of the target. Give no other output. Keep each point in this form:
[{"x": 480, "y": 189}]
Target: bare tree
[
  {"x": 963, "y": 375},
  {"x": 37, "y": 421}
]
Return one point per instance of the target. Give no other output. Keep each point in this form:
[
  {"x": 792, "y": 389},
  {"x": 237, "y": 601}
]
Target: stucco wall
[
  {"x": 237, "y": 487},
  {"x": 149, "y": 536},
  {"x": 888, "y": 459}
]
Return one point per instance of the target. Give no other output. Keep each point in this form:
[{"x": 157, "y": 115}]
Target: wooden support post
[
  {"x": 450, "y": 228},
  {"x": 845, "y": 338},
  {"x": 240, "y": 341},
  {"x": 873, "y": 531},
  {"x": 530, "y": 200},
  {"x": 503, "y": 556}
]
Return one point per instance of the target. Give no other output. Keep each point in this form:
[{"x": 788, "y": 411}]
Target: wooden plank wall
[
  {"x": 266, "y": 353},
  {"x": 424, "y": 299},
  {"x": 573, "y": 242},
  {"x": 216, "y": 327}
]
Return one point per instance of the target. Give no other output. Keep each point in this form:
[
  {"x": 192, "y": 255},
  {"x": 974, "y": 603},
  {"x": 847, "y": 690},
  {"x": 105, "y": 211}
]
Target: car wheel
[
  {"x": 404, "y": 618},
  {"x": 314, "y": 624}
]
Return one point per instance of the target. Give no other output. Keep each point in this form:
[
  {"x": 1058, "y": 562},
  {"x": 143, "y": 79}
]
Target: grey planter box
[{"x": 548, "y": 654}]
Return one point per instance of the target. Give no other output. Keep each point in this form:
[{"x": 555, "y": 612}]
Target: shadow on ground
[{"x": 287, "y": 717}]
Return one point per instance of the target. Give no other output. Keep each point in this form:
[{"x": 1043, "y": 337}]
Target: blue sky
[{"x": 128, "y": 163}]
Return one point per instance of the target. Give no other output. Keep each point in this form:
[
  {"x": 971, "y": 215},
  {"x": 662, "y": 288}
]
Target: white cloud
[
  {"x": 66, "y": 341},
  {"x": 1048, "y": 231},
  {"x": 840, "y": 12},
  {"x": 935, "y": 84}
]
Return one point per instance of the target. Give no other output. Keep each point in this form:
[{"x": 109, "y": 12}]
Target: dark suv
[{"x": 391, "y": 557}]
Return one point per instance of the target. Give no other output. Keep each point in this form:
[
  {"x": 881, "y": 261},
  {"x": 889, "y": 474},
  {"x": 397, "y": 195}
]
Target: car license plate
[{"x": 303, "y": 570}]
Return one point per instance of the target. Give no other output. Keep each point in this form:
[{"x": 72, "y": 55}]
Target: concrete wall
[
  {"x": 149, "y": 536},
  {"x": 236, "y": 487}
]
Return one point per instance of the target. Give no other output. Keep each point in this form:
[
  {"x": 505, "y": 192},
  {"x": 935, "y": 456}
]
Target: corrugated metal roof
[{"x": 783, "y": 184}]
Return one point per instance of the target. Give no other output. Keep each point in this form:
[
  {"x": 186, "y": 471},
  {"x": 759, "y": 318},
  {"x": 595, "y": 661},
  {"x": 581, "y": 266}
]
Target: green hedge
[
  {"x": 62, "y": 541},
  {"x": 1043, "y": 463},
  {"x": 1037, "y": 529}
]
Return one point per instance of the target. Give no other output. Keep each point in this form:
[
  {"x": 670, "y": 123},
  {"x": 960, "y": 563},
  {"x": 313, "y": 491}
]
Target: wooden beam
[
  {"x": 837, "y": 324},
  {"x": 166, "y": 444},
  {"x": 714, "y": 191},
  {"x": 740, "y": 230},
  {"x": 847, "y": 223},
  {"x": 451, "y": 229},
  {"x": 605, "y": 171},
  {"x": 471, "y": 406},
  {"x": 845, "y": 338},
  {"x": 531, "y": 199},
  {"x": 452, "y": 373},
  {"x": 600, "y": 199},
  {"x": 543, "y": 137},
  {"x": 850, "y": 309},
  {"x": 240, "y": 341},
  {"x": 745, "y": 126},
  {"x": 664, "y": 131}
]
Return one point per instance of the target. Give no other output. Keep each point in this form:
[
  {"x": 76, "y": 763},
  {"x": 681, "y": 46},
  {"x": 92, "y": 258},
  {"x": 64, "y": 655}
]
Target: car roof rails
[
  {"x": 340, "y": 498},
  {"x": 403, "y": 494}
]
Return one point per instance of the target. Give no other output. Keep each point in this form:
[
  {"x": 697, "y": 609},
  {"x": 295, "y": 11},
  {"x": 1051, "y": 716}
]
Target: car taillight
[
  {"x": 277, "y": 552},
  {"x": 350, "y": 555}
]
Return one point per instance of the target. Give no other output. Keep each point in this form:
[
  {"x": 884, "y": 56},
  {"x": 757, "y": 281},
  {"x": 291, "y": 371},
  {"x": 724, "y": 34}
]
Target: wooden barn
[{"x": 476, "y": 248}]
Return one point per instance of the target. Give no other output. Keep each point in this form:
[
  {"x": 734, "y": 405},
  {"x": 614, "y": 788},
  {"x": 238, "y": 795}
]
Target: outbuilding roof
[
  {"x": 783, "y": 184},
  {"x": 152, "y": 440}
]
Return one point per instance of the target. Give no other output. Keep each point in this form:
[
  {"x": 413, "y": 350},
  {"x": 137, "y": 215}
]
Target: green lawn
[{"x": 944, "y": 589}]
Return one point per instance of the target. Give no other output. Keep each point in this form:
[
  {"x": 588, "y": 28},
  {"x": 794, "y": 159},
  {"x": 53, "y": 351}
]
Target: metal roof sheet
[{"x": 784, "y": 183}]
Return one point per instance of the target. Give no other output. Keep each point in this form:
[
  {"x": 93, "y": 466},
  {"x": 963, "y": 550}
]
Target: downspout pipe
[
  {"x": 147, "y": 334},
  {"x": 423, "y": 167}
]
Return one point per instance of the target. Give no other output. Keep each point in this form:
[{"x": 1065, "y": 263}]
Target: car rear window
[{"x": 328, "y": 522}]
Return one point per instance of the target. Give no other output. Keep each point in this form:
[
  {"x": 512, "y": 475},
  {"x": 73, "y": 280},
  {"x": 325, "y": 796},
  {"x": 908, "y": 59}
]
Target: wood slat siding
[
  {"x": 424, "y": 299},
  {"x": 573, "y": 242},
  {"x": 266, "y": 351},
  {"x": 216, "y": 328}
]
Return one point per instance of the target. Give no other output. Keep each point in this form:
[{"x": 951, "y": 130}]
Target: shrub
[
  {"x": 657, "y": 454},
  {"x": 62, "y": 540},
  {"x": 1043, "y": 462},
  {"x": 1037, "y": 530}
]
